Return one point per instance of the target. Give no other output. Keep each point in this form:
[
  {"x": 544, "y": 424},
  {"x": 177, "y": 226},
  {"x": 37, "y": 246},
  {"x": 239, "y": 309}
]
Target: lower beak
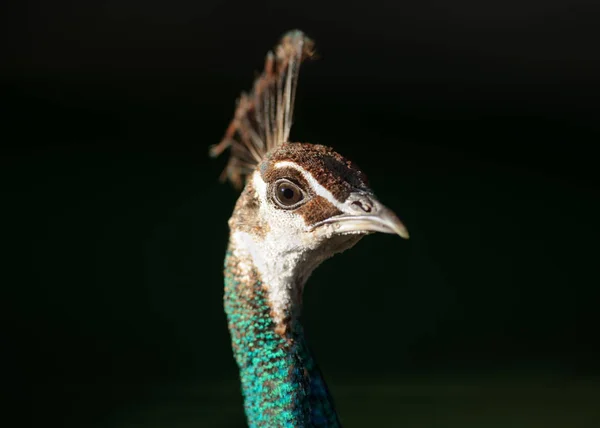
[{"x": 381, "y": 219}]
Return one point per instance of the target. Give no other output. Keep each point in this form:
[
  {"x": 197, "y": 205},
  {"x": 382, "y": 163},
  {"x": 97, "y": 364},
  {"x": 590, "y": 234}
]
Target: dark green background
[{"x": 476, "y": 124}]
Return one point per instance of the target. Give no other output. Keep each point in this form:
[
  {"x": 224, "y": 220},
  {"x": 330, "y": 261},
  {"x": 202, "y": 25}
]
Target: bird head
[
  {"x": 301, "y": 202},
  {"x": 309, "y": 197}
]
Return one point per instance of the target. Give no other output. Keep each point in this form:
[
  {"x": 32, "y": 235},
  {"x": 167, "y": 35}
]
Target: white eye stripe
[{"x": 316, "y": 186}]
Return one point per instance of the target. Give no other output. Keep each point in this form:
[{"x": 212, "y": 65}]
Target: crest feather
[{"x": 263, "y": 118}]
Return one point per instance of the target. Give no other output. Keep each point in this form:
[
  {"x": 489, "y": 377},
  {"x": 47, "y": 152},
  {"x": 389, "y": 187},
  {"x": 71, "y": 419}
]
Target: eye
[{"x": 287, "y": 194}]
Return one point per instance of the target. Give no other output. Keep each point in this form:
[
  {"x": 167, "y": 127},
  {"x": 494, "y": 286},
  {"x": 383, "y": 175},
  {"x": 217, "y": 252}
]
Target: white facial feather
[{"x": 279, "y": 255}]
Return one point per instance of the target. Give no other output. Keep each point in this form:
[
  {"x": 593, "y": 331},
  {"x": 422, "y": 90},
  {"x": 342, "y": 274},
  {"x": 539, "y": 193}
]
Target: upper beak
[{"x": 367, "y": 215}]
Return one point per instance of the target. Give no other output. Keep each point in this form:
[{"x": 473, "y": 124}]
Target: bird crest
[{"x": 263, "y": 118}]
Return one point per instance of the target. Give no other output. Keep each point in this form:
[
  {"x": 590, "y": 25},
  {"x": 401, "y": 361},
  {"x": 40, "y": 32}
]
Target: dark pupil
[{"x": 287, "y": 193}]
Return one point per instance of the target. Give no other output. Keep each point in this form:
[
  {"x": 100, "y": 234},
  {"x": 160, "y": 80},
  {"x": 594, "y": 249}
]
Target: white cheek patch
[
  {"x": 276, "y": 255},
  {"x": 280, "y": 256}
]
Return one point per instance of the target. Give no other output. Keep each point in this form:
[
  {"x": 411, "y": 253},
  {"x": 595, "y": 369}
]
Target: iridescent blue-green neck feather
[{"x": 281, "y": 383}]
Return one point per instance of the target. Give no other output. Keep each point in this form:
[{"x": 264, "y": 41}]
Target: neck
[{"x": 281, "y": 383}]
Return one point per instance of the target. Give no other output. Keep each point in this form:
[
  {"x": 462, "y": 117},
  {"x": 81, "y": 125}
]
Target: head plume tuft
[{"x": 263, "y": 118}]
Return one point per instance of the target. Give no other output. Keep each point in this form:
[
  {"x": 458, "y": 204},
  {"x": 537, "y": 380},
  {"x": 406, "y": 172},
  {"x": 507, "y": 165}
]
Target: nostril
[{"x": 365, "y": 207}]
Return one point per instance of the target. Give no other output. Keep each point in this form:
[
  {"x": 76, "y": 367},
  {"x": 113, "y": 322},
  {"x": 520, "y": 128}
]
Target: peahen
[{"x": 301, "y": 204}]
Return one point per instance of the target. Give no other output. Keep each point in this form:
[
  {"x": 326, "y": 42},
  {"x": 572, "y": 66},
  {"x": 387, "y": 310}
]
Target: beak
[{"x": 367, "y": 215}]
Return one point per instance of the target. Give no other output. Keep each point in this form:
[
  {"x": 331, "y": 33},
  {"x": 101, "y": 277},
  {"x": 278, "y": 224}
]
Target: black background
[{"x": 476, "y": 121}]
